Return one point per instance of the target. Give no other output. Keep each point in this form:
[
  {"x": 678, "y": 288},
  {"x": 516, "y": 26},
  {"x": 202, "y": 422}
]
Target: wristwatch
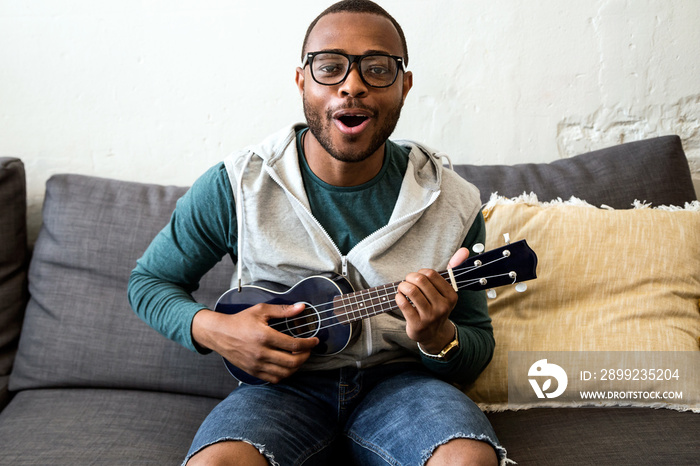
[{"x": 448, "y": 351}]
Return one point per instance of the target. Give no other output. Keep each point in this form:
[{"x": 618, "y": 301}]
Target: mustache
[{"x": 351, "y": 104}]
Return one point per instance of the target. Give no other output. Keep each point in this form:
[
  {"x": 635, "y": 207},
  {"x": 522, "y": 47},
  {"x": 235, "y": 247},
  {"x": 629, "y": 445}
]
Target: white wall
[{"x": 159, "y": 90}]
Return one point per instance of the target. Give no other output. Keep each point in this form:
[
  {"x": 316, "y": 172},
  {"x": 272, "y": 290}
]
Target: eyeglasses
[{"x": 331, "y": 68}]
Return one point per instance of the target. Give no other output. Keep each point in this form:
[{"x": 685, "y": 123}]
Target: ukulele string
[
  {"x": 458, "y": 273},
  {"x": 335, "y": 324},
  {"x": 372, "y": 310},
  {"x": 331, "y": 305}
]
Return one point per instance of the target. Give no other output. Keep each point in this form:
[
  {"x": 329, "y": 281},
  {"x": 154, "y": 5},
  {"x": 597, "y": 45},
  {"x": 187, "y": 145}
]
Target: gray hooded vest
[{"x": 280, "y": 241}]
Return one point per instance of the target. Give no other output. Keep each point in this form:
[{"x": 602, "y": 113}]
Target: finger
[
  {"x": 440, "y": 284},
  {"x": 280, "y": 366},
  {"x": 409, "y": 312},
  {"x": 432, "y": 286},
  {"x": 291, "y": 344},
  {"x": 435, "y": 281},
  {"x": 270, "y": 373},
  {"x": 460, "y": 256},
  {"x": 284, "y": 359},
  {"x": 268, "y": 363},
  {"x": 271, "y": 377},
  {"x": 285, "y": 340},
  {"x": 274, "y": 374},
  {"x": 280, "y": 311},
  {"x": 412, "y": 288},
  {"x": 417, "y": 321}
]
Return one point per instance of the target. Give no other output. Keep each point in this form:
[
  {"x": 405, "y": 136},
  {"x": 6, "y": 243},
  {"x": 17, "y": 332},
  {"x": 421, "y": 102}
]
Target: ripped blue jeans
[{"x": 394, "y": 414}]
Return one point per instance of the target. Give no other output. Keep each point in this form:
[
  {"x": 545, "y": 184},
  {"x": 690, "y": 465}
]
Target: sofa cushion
[
  {"x": 13, "y": 262},
  {"x": 587, "y": 436},
  {"x": 654, "y": 170},
  {"x": 79, "y": 329},
  {"x": 98, "y": 426},
  {"x": 608, "y": 280}
]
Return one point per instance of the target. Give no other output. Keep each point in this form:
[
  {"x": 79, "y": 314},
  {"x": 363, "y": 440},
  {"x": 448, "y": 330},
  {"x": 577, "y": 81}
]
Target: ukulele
[{"x": 334, "y": 309}]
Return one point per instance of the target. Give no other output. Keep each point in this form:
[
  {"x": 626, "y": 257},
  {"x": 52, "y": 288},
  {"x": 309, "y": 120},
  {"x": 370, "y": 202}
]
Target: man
[{"x": 338, "y": 196}]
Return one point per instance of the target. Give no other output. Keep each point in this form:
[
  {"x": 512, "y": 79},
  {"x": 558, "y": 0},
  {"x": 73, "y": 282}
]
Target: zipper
[
  {"x": 344, "y": 261},
  {"x": 343, "y": 258},
  {"x": 401, "y": 219},
  {"x": 367, "y": 330},
  {"x": 367, "y": 323}
]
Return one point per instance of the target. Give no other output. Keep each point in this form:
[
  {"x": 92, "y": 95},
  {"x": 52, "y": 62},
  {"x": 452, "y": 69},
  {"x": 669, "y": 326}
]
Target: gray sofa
[{"x": 89, "y": 383}]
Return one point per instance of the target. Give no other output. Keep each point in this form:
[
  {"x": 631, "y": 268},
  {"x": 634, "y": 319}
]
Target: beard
[{"x": 320, "y": 125}]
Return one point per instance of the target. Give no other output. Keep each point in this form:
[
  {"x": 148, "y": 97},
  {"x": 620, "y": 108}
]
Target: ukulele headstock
[{"x": 513, "y": 263}]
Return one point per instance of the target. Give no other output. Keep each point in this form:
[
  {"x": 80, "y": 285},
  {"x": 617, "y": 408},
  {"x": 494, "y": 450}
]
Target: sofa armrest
[{"x": 13, "y": 264}]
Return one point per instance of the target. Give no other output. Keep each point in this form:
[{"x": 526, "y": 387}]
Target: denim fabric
[{"x": 396, "y": 414}]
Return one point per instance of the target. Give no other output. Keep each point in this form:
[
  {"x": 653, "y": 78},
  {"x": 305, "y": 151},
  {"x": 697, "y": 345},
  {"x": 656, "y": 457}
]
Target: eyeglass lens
[{"x": 331, "y": 68}]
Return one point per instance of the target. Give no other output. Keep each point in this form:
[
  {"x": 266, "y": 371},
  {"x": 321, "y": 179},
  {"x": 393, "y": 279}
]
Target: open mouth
[{"x": 352, "y": 121}]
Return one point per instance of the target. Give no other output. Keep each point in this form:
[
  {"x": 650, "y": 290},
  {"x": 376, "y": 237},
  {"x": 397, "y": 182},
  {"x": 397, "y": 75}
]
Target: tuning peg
[
  {"x": 491, "y": 294},
  {"x": 520, "y": 287},
  {"x": 478, "y": 248}
]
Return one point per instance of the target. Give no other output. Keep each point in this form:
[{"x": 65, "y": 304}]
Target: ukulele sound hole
[{"x": 304, "y": 325}]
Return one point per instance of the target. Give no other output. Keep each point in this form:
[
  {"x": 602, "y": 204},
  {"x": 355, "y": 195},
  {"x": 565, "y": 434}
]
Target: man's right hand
[{"x": 248, "y": 342}]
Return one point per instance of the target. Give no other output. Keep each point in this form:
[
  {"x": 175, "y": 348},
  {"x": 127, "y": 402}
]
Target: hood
[{"x": 425, "y": 162}]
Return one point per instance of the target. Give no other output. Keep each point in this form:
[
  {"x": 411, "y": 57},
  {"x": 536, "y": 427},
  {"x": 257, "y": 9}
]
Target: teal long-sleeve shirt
[{"x": 202, "y": 230}]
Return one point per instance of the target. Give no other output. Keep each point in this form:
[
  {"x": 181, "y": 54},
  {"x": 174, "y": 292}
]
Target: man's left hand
[{"x": 426, "y": 300}]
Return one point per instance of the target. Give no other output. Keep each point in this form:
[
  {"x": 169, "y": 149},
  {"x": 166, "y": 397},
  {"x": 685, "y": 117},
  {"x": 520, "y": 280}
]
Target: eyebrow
[{"x": 366, "y": 52}]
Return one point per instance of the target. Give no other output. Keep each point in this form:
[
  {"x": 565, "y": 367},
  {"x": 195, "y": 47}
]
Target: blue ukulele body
[{"x": 318, "y": 319}]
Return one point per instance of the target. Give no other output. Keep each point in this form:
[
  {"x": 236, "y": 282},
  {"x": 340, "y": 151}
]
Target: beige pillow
[{"x": 608, "y": 280}]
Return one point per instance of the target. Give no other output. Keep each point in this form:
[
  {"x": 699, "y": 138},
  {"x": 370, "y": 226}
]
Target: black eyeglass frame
[{"x": 309, "y": 58}]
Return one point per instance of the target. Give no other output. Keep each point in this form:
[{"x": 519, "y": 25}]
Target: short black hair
[{"x": 357, "y": 6}]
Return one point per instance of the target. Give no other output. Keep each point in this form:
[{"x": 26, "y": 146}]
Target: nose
[{"x": 353, "y": 86}]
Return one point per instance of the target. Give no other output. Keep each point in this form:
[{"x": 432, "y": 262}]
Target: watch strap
[{"x": 449, "y": 348}]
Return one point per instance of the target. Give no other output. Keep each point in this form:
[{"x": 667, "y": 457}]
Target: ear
[
  {"x": 407, "y": 83},
  {"x": 299, "y": 79}
]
